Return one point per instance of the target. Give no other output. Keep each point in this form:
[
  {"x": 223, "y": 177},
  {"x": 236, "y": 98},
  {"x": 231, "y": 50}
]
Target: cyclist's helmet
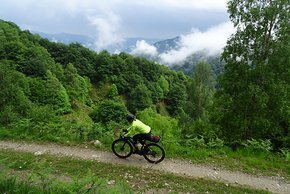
[{"x": 130, "y": 117}]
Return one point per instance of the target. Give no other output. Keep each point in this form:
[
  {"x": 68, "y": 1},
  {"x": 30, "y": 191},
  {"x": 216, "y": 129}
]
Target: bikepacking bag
[{"x": 155, "y": 138}]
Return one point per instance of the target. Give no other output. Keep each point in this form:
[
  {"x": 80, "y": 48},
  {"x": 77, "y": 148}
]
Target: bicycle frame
[
  {"x": 130, "y": 140},
  {"x": 146, "y": 149}
]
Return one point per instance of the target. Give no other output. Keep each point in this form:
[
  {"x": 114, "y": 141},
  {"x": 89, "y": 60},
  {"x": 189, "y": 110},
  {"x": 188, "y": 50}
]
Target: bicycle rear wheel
[
  {"x": 122, "y": 148},
  {"x": 154, "y": 153}
]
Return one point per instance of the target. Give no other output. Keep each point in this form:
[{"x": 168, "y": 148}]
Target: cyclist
[{"x": 138, "y": 130}]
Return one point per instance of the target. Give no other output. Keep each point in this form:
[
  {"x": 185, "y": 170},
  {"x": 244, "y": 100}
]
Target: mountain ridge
[{"x": 129, "y": 44}]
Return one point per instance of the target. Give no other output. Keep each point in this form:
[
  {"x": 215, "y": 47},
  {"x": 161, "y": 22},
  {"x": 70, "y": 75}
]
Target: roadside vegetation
[{"x": 27, "y": 173}]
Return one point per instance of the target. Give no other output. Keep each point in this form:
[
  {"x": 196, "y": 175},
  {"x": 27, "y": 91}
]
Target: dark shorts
[{"x": 141, "y": 137}]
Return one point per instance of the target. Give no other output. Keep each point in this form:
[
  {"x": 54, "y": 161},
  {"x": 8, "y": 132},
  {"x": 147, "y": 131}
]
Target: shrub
[
  {"x": 109, "y": 110},
  {"x": 199, "y": 127},
  {"x": 166, "y": 127},
  {"x": 285, "y": 153},
  {"x": 195, "y": 142},
  {"x": 215, "y": 143},
  {"x": 258, "y": 145}
]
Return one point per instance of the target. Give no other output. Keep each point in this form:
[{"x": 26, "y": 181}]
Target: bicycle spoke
[
  {"x": 122, "y": 148},
  {"x": 155, "y": 153}
]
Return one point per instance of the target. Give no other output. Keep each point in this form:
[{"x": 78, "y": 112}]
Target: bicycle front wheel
[
  {"x": 122, "y": 148},
  {"x": 154, "y": 153}
]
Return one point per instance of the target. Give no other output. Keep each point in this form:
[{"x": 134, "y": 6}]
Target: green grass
[
  {"x": 13, "y": 184},
  {"x": 66, "y": 175},
  {"x": 244, "y": 160}
]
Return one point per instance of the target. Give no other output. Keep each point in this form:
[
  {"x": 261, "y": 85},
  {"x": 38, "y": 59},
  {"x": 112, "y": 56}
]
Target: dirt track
[{"x": 178, "y": 167}]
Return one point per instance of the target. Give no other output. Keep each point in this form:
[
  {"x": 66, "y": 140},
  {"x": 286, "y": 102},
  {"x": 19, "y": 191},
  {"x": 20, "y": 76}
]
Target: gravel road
[{"x": 178, "y": 167}]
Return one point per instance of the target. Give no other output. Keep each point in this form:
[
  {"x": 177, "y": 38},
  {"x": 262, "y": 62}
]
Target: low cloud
[
  {"x": 106, "y": 26},
  {"x": 216, "y": 5},
  {"x": 213, "y": 40},
  {"x": 143, "y": 48}
]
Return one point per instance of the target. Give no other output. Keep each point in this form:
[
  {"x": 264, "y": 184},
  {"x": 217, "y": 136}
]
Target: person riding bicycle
[{"x": 138, "y": 130}]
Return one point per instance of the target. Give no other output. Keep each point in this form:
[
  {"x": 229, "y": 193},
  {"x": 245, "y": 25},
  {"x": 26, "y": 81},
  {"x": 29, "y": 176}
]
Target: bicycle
[{"x": 152, "y": 152}]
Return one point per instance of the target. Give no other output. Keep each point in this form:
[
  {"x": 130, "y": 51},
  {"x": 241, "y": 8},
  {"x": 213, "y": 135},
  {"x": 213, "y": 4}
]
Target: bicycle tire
[
  {"x": 122, "y": 148},
  {"x": 155, "y": 153}
]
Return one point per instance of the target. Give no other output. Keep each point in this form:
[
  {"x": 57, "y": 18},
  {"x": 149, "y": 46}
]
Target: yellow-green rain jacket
[{"x": 137, "y": 127}]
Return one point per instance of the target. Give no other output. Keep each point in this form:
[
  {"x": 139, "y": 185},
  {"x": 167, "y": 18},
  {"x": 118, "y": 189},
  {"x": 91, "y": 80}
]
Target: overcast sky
[{"x": 113, "y": 20}]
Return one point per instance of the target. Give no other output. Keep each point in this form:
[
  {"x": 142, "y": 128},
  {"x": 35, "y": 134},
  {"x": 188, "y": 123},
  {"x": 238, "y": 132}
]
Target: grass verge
[{"x": 47, "y": 174}]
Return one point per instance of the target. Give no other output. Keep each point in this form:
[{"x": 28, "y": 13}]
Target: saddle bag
[{"x": 155, "y": 138}]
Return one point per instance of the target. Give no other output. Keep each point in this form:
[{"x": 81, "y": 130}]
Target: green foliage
[
  {"x": 114, "y": 91},
  {"x": 258, "y": 145},
  {"x": 163, "y": 83},
  {"x": 56, "y": 95},
  {"x": 285, "y": 153},
  {"x": 201, "y": 90},
  {"x": 14, "y": 103},
  {"x": 195, "y": 142},
  {"x": 157, "y": 93},
  {"x": 78, "y": 87},
  {"x": 82, "y": 58},
  {"x": 105, "y": 133},
  {"x": 254, "y": 99},
  {"x": 46, "y": 184},
  {"x": 46, "y": 84},
  {"x": 200, "y": 142},
  {"x": 175, "y": 99},
  {"x": 110, "y": 110},
  {"x": 164, "y": 126},
  {"x": 215, "y": 143},
  {"x": 35, "y": 61},
  {"x": 198, "y": 128},
  {"x": 141, "y": 98}
]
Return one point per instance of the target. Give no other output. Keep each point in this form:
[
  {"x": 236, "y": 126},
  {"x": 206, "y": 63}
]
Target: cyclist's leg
[
  {"x": 135, "y": 142},
  {"x": 143, "y": 138}
]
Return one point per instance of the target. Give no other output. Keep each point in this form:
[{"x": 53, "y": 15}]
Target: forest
[{"x": 67, "y": 93}]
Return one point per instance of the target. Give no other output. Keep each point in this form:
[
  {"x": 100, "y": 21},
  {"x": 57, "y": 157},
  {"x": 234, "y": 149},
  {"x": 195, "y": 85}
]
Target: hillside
[
  {"x": 73, "y": 82},
  {"x": 163, "y": 46},
  {"x": 49, "y": 87}
]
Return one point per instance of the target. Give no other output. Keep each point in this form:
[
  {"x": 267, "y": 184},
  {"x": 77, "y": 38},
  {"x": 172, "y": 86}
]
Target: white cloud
[
  {"x": 213, "y": 40},
  {"x": 217, "y": 5},
  {"x": 142, "y": 47},
  {"x": 188, "y": 4},
  {"x": 106, "y": 25},
  {"x": 105, "y": 16}
]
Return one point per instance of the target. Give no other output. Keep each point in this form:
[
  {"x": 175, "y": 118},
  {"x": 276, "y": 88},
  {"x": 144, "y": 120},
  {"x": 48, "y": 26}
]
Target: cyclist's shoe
[
  {"x": 152, "y": 153},
  {"x": 136, "y": 151},
  {"x": 145, "y": 151},
  {"x": 139, "y": 152}
]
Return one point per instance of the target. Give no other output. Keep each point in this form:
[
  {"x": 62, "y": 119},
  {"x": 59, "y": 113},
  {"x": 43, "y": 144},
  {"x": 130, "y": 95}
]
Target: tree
[
  {"x": 140, "y": 98},
  {"x": 56, "y": 95},
  {"x": 110, "y": 110},
  {"x": 201, "y": 91},
  {"x": 163, "y": 83},
  {"x": 254, "y": 101},
  {"x": 14, "y": 103},
  {"x": 175, "y": 99},
  {"x": 113, "y": 92},
  {"x": 157, "y": 92},
  {"x": 77, "y": 87}
]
